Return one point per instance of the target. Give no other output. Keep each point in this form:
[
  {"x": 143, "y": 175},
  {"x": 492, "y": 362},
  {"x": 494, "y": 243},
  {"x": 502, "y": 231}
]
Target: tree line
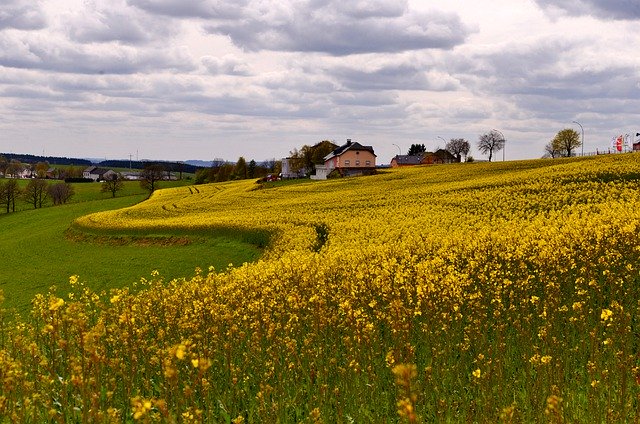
[
  {"x": 37, "y": 192},
  {"x": 222, "y": 170},
  {"x": 564, "y": 144}
]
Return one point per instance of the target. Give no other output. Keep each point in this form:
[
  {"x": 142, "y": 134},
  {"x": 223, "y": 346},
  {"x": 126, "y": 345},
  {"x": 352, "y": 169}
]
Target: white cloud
[
  {"x": 329, "y": 26},
  {"x": 22, "y": 14}
]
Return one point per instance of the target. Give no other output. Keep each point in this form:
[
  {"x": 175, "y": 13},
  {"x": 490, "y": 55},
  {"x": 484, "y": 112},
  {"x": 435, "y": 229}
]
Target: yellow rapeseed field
[{"x": 496, "y": 292}]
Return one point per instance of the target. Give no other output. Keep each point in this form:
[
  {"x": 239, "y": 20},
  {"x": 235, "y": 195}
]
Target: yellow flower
[
  {"x": 55, "y": 303},
  {"x": 477, "y": 373},
  {"x": 180, "y": 352},
  {"x": 606, "y": 314}
]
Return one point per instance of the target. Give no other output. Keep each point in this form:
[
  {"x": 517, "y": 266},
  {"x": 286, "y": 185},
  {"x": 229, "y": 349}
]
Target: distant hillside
[
  {"x": 169, "y": 166},
  {"x": 188, "y": 167},
  {"x": 53, "y": 160},
  {"x": 200, "y": 163}
]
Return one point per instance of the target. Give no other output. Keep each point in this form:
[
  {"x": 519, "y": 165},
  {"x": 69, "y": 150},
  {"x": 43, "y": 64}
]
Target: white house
[{"x": 98, "y": 174}]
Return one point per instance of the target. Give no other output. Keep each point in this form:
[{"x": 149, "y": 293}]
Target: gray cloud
[
  {"x": 33, "y": 51},
  {"x": 101, "y": 22},
  {"x": 548, "y": 69},
  {"x": 392, "y": 75},
  {"x": 339, "y": 28},
  {"x": 608, "y": 9},
  {"x": 22, "y": 14},
  {"x": 205, "y": 9}
]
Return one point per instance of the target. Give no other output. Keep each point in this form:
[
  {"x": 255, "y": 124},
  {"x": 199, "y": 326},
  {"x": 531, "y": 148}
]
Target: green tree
[
  {"x": 416, "y": 149},
  {"x": 252, "y": 168},
  {"x": 202, "y": 176},
  {"x": 308, "y": 156},
  {"x": 41, "y": 169},
  {"x": 14, "y": 168},
  {"x": 566, "y": 141},
  {"x": 112, "y": 184},
  {"x": 9, "y": 190},
  {"x": 3, "y": 165},
  {"x": 150, "y": 176},
  {"x": 240, "y": 170},
  {"x": 491, "y": 142},
  {"x": 224, "y": 172},
  {"x": 35, "y": 193}
]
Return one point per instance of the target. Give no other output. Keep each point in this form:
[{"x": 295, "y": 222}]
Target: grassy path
[{"x": 35, "y": 254}]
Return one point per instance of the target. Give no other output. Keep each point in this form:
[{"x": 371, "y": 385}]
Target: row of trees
[
  {"x": 564, "y": 143},
  {"x": 458, "y": 147},
  {"x": 222, "y": 170},
  {"x": 36, "y": 193}
]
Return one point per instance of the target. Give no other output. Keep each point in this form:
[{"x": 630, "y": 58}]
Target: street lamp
[
  {"x": 399, "y": 151},
  {"x": 504, "y": 140},
  {"x": 576, "y": 122}
]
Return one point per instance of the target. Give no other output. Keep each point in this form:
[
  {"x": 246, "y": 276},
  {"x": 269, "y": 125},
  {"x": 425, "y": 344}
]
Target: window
[
  {"x": 357, "y": 163},
  {"x": 347, "y": 162},
  {"x": 368, "y": 163}
]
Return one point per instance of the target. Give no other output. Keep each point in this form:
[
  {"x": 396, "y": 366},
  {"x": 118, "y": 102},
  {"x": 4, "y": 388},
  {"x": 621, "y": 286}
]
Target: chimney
[{"x": 348, "y": 142}]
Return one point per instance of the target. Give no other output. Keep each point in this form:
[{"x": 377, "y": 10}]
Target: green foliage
[
  {"x": 322, "y": 235},
  {"x": 565, "y": 142},
  {"x": 416, "y": 149},
  {"x": 38, "y": 251},
  {"x": 309, "y": 156},
  {"x": 240, "y": 170}
]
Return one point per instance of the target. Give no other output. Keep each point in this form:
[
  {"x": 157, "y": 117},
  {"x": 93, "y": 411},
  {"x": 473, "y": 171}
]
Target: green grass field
[
  {"x": 38, "y": 252},
  {"x": 85, "y": 192}
]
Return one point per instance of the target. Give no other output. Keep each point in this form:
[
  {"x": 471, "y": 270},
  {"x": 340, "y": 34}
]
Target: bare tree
[
  {"x": 9, "y": 190},
  {"x": 458, "y": 147},
  {"x": 35, "y": 193},
  {"x": 150, "y": 176},
  {"x": 60, "y": 193},
  {"x": 112, "y": 184},
  {"x": 491, "y": 142},
  {"x": 551, "y": 151}
]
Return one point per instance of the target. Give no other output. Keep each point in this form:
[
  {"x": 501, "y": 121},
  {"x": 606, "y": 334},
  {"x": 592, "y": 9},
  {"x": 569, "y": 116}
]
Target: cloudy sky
[{"x": 204, "y": 79}]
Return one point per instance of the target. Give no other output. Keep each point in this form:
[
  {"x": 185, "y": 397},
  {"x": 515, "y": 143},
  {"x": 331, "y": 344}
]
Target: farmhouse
[
  {"x": 440, "y": 156},
  {"x": 97, "y": 174},
  {"x": 348, "y": 160},
  {"x": 406, "y": 160}
]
